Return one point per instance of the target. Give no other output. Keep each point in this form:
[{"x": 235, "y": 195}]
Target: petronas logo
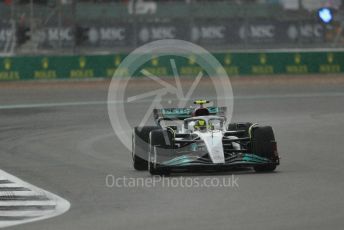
[
  {"x": 7, "y": 64},
  {"x": 297, "y": 58},
  {"x": 263, "y": 59},
  {"x": 117, "y": 60},
  {"x": 228, "y": 60},
  {"x": 330, "y": 58},
  {"x": 82, "y": 62},
  {"x": 45, "y": 63},
  {"x": 192, "y": 60},
  {"x": 155, "y": 61}
]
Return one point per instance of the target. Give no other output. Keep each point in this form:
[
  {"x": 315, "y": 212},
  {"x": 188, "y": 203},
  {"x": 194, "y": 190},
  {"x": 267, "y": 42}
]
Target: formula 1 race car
[{"x": 202, "y": 141}]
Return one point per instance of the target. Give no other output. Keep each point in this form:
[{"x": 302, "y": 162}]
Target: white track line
[
  {"x": 27, "y": 203},
  {"x": 26, "y": 213},
  {"x": 19, "y": 193},
  {"x": 14, "y": 212},
  {"x": 9, "y": 185}
]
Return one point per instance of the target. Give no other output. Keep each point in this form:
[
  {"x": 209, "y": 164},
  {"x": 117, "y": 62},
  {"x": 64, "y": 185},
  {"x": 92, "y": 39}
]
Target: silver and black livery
[{"x": 187, "y": 139}]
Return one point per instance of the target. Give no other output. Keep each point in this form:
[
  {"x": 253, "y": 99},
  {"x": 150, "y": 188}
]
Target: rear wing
[{"x": 183, "y": 113}]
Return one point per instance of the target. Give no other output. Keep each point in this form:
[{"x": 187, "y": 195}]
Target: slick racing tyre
[
  {"x": 263, "y": 144},
  {"x": 140, "y": 146},
  {"x": 161, "y": 143}
]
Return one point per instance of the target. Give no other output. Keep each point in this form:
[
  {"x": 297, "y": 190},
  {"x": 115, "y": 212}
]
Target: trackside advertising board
[{"x": 104, "y": 66}]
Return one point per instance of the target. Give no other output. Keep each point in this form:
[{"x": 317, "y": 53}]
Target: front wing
[{"x": 190, "y": 161}]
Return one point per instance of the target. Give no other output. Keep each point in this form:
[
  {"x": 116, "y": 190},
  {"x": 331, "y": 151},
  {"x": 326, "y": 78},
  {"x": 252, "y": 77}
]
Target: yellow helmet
[{"x": 200, "y": 125}]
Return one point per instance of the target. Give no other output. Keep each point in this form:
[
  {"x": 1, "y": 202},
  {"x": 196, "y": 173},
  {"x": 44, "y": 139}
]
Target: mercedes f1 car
[{"x": 187, "y": 139}]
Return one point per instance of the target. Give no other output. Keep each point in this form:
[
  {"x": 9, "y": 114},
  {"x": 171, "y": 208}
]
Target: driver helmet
[{"x": 200, "y": 125}]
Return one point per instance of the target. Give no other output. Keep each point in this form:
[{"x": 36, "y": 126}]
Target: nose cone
[{"x": 213, "y": 142}]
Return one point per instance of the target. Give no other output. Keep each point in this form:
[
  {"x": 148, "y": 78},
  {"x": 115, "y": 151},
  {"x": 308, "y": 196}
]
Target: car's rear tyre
[
  {"x": 140, "y": 146},
  {"x": 161, "y": 143},
  {"x": 263, "y": 144}
]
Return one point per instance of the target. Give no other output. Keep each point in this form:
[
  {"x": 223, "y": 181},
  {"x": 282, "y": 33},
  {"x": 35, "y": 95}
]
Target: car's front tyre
[{"x": 263, "y": 144}]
